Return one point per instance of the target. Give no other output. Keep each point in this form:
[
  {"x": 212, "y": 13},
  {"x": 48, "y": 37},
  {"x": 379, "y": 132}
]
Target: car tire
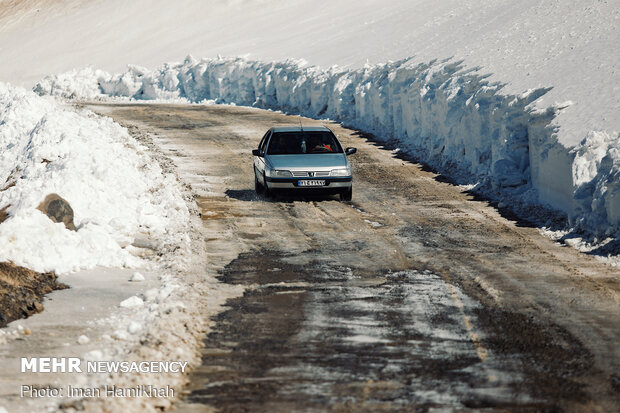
[
  {"x": 266, "y": 191},
  {"x": 347, "y": 194},
  {"x": 258, "y": 187}
]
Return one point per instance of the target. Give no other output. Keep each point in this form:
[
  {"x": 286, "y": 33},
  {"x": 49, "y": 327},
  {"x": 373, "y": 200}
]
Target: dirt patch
[
  {"x": 557, "y": 364},
  {"x": 22, "y": 291}
]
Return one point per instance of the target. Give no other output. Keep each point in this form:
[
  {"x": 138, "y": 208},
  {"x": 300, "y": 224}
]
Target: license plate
[{"x": 311, "y": 183}]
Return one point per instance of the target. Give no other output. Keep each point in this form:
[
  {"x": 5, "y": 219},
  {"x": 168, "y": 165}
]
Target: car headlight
[
  {"x": 281, "y": 173},
  {"x": 341, "y": 172}
]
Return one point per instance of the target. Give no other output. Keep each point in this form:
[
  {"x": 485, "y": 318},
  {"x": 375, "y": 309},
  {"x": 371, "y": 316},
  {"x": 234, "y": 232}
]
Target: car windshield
[{"x": 306, "y": 142}]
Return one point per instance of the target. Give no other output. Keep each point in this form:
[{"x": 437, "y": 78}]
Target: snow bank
[
  {"x": 449, "y": 117},
  {"x": 116, "y": 192}
]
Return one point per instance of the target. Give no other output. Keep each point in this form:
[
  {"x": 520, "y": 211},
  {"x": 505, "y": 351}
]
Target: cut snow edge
[{"x": 448, "y": 117}]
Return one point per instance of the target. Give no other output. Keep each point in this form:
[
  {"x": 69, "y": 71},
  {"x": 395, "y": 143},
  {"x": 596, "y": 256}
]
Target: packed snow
[
  {"x": 448, "y": 116},
  {"x": 116, "y": 191}
]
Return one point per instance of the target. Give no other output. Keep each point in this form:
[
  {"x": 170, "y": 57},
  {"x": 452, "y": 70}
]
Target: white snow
[
  {"x": 94, "y": 355},
  {"x": 134, "y": 327},
  {"x": 569, "y": 45},
  {"x": 151, "y": 294},
  {"x": 124, "y": 203},
  {"x": 133, "y": 301},
  {"x": 136, "y": 276},
  {"x": 557, "y": 58},
  {"x": 451, "y": 118},
  {"x": 519, "y": 99},
  {"x": 115, "y": 189}
]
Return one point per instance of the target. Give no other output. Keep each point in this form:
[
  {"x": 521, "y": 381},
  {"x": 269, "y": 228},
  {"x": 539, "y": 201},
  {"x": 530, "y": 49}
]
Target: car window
[
  {"x": 263, "y": 142},
  {"x": 306, "y": 142}
]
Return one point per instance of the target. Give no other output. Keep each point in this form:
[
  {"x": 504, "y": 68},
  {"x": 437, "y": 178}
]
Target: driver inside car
[{"x": 320, "y": 146}]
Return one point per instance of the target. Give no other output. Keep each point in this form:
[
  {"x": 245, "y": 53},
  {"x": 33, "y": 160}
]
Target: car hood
[{"x": 303, "y": 162}]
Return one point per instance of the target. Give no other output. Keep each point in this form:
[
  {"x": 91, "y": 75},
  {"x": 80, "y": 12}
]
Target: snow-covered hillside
[
  {"x": 557, "y": 60},
  {"x": 569, "y": 45}
]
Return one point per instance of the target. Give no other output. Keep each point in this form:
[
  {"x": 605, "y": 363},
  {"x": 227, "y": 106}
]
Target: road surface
[{"x": 416, "y": 295}]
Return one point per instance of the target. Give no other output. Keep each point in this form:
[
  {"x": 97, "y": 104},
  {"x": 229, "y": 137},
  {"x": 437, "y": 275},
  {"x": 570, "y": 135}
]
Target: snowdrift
[
  {"x": 116, "y": 191},
  {"x": 447, "y": 116}
]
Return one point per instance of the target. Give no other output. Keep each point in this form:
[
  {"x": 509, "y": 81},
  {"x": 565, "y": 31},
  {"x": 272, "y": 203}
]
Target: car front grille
[{"x": 310, "y": 174}]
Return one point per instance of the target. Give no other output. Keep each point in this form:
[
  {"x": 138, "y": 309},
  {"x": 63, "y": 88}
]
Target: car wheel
[
  {"x": 347, "y": 194},
  {"x": 258, "y": 187},
  {"x": 266, "y": 191}
]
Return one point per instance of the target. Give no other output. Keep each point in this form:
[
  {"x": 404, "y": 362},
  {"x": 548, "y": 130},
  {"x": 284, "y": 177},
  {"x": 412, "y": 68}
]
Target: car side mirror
[
  {"x": 350, "y": 151},
  {"x": 256, "y": 152}
]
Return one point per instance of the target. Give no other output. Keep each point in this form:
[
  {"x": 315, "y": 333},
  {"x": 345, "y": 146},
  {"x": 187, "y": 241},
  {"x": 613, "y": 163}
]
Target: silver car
[{"x": 302, "y": 159}]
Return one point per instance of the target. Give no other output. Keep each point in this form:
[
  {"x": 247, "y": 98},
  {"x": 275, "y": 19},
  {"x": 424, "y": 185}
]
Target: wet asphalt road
[{"x": 413, "y": 297}]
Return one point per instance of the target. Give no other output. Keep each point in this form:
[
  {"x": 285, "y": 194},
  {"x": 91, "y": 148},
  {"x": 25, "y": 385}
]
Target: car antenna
[{"x": 302, "y": 128}]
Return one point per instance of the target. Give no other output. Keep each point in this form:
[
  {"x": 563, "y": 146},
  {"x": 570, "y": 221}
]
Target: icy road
[{"x": 414, "y": 295}]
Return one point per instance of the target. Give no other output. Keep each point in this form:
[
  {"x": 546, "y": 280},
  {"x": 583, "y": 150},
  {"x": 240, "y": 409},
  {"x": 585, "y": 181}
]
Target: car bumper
[{"x": 292, "y": 184}]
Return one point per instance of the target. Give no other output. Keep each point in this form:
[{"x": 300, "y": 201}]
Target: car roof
[{"x": 297, "y": 128}]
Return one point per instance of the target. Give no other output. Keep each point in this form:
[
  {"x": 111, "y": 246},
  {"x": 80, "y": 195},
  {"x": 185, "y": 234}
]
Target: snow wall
[
  {"x": 446, "y": 116},
  {"x": 115, "y": 188}
]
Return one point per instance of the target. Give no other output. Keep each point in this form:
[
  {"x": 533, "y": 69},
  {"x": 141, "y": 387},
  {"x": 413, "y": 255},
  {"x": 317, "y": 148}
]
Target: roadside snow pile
[
  {"x": 449, "y": 117},
  {"x": 116, "y": 192}
]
